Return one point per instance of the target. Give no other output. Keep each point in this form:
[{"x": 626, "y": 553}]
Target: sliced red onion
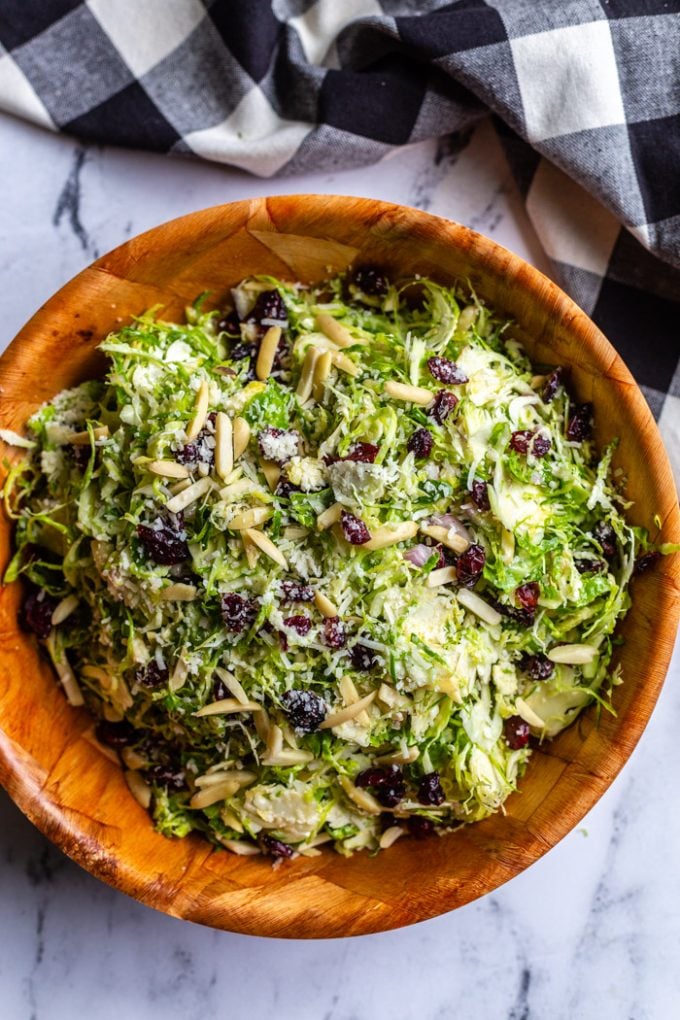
[
  {"x": 450, "y": 522},
  {"x": 419, "y": 554}
]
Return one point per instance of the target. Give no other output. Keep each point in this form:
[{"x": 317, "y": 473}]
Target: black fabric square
[
  {"x": 655, "y": 147},
  {"x": 638, "y": 8},
  {"x": 633, "y": 264},
  {"x": 644, "y": 330},
  {"x": 460, "y": 26},
  {"x": 382, "y": 102},
  {"x": 127, "y": 118},
  {"x": 21, "y": 20},
  {"x": 250, "y": 30},
  {"x": 521, "y": 156}
]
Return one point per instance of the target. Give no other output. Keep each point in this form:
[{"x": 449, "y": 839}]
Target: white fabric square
[
  {"x": 19, "y": 96},
  {"x": 568, "y": 80},
  {"x": 146, "y": 31},
  {"x": 320, "y": 25},
  {"x": 252, "y": 137},
  {"x": 572, "y": 226}
]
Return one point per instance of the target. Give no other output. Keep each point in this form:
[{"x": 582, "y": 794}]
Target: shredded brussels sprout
[{"x": 327, "y": 566}]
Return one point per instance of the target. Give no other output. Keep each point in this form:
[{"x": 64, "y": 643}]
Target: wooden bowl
[{"x": 77, "y": 797}]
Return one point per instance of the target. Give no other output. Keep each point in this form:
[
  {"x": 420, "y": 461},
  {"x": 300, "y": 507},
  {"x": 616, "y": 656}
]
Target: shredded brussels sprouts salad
[{"x": 326, "y": 565}]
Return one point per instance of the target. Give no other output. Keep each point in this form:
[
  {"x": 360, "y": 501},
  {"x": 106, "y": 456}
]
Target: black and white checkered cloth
[{"x": 585, "y": 95}]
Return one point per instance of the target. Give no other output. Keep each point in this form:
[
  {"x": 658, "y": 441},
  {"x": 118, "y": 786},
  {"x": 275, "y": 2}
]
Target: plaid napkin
[{"x": 585, "y": 95}]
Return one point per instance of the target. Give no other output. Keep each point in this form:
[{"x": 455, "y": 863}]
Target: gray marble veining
[{"x": 591, "y": 931}]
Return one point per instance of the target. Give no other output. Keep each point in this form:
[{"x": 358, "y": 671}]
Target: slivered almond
[
  {"x": 66, "y": 675},
  {"x": 572, "y": 655},
  {"x": 108, "y": 752},
  {"x": 507, "y": 546},
  {"x": 267, "y": 352},
  {"x": 241, "y": 436},
  {"x": 232, "y": 685},
  {"x": 133, "y": 759},
  {"x": 361, "y": 798},
  {"x": 261, "y": 723},
  {"x": 288, "y": 757},
  {"x": 179, "y": 674},
  {"x": 179, "y": 592},
  {"x": 305, "y": 382},
  {"x": 250, "y": 518},
  {"x": 466, "y": 318},
  {"x": 251, "y": 551},
  {"x": 272, "y": 472},
  {"x": 335, "y": 331},
  {"x": 83, "y": 438},
  {"x": 324, "y": 605},
  {"x": 447, "y": 537},
  {"x": 527, "y": 713},
  {"x": 390, "y": 535},
  {"x": 406, "y": 757},
  {"x": 112, "y": 714},
  {"x": 344, "y": 363},
  {"x": 168, "y": 469},
  {"x": 241, "y": 849},
  {"x": 444, "y": 575},
  {"x": 224, "y": 445},
  {"x": 240, "y": 776},
  {"x": 327, "y": 518},
  {"x": 411, "y": 394},
  {"x": 213, "y": 795},
  {"x": 293, "y": 533},
  {"x": 64, "y": 609},
  {"x": 200, "y": 410},
  {"x": 189, "y": 495},
  {"x": 322, "y": 368},
  {"x": 140, "y": 790},
  {"x": 265, "y": 543},
  {"x": 178, "y": 486},
  {"x": 227, "y": 706},
  {"x": 274, "y": 741},
  {"x": 231, "y": 820},
  {"x": 347, "y": 713},
  {"x": 478, "y": 606},
  {"x": 391, "y": 698},
  {"x": 391, "y": 836}
]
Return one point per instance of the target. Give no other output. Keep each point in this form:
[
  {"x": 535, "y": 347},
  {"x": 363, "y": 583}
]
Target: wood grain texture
[{"x": 78, "y": 797}]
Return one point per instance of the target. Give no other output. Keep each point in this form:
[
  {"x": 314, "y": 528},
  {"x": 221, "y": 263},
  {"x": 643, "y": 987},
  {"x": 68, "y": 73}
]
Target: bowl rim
[{"x": 64, "y": 831}]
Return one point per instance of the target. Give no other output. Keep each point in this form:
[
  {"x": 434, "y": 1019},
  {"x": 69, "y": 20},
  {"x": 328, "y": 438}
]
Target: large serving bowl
[{"x": 77, "y": 796}]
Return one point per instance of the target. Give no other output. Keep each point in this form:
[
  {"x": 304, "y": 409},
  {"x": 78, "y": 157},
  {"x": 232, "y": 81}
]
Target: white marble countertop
[{"x": 591, "y": 930}]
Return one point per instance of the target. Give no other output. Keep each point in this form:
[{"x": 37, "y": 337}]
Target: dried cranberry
[
  {"x": 301, "y": 624},
  {"x": 220, "y": 691},
  {"x": 240, "y": 352},
  {"x": 469, "y": 565},
  {"x": 590, "y": 566},
  {"x": 267, "y": 441},
  {"x": 152, "y": 675},
  {"x": 430, "y": 789},
  {"x": 305, "y": 710},
  {"x": 386, "y": 782},
  {"x": 363, "y": 452},
  {"x": 238, "y": 612},
  {"x": 114, "y": 734},
  {"x": 363, "y": 659},
  {"x": 528, "y": 595},
  {"x": 580, "y": 422},
  {"x": 523, "y": 617},
  {"x": 284, "y": 487},
  {"x": 37, "y": 612},
  {"x": 537, "y": 666},
  {"x": 230, "y": 323},
  {"x": 370, "y": 280},
  {"x": 604, "y": 534},
  {"x": 80, "y": 455},
  {"x": 446, "y": 371},
  {"x": 168, "y": 775},
  {"x": 420, "y": 443},
  {"x": 480, "y": 495},
  {"x": 294, "y": 591},
  {"x": 354, "y": 529},
  {"x": 199, "y": 451},
  {"x": 334, "y": 632},
  {"x": 646, "y": 562},
  {"x": 275, "y": 848},
  {"x": 420, "y": 827},
  {"x": 525, "y": 441},
  {"x": 269, "y": 310},
  {"x": 444, "y": 403},
  {"x": 165, "y": 540},
  {"x": 552, "y": 384},
  {"x": 517, "y": 732}
]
